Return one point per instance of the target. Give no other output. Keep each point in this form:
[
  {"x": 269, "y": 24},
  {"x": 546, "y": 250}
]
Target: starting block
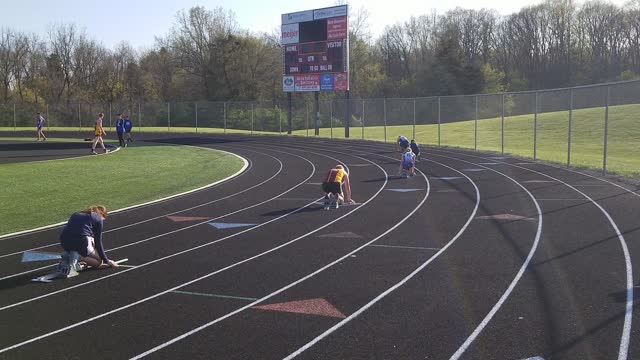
[{"x": 65, "y": 270}]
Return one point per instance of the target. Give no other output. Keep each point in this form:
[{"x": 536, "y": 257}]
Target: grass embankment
[{"x": 39, "y": 194}]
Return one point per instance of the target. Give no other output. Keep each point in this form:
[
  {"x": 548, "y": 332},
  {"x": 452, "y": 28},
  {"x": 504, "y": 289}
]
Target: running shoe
[{"x": 327, "y": 202}]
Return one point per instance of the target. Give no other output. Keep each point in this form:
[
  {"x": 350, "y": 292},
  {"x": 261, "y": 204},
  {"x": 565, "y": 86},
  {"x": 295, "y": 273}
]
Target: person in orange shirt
[{"x": 332, "y": 187}]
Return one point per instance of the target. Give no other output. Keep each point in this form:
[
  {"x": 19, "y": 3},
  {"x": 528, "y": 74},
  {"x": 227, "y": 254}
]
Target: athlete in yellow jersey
[
  {"x": 332, "y": 187},
  {"x": 98, "y": 132}
]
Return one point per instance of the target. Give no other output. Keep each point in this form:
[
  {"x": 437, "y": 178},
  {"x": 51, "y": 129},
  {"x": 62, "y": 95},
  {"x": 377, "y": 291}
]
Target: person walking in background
[
  {"x": 98, "y": 133},
  {"x": 120, "y": 130},
  {"x": 128, "y": 126},
  {"x": 416, "y": 149},
  {"x": 40, "y": 126}
]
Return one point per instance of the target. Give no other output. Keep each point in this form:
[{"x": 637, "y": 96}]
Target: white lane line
[
  {"x": 518, "y": 276},
  {"x": 176, "y": 231},
  {"x": 117, "y": 148},
  {"x": 626, "y": 329},
  {"x": 282, "y": 289},
  {"x": 404, "y": 247},
  {"x": 204, "y": 276},
  {"x": 244, "y": 167},
  {"x": 397, "y": 285}
]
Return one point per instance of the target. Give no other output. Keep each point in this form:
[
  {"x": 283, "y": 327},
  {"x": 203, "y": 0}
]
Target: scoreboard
[{"x": 315, "y": 50}]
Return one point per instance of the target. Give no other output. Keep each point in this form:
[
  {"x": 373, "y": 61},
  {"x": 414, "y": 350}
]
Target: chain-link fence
[{"x": 596, "y": 126}]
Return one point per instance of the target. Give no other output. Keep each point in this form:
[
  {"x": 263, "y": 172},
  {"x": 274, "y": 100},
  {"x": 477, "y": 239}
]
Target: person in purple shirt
[
  {"x": 83, "y": 234},
  {"x": 40, "y": 125}
]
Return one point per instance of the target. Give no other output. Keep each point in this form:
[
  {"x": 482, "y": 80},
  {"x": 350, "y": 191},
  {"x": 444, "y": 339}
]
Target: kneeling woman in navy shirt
[{"x": 83, "y": 234}]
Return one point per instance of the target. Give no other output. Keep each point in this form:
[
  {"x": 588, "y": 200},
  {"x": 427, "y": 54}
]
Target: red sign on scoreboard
[{"x": 337, "y": 28}]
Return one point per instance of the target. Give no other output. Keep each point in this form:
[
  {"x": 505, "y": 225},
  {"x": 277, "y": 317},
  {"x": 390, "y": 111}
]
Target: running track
[{"x": 481, "y": 257}]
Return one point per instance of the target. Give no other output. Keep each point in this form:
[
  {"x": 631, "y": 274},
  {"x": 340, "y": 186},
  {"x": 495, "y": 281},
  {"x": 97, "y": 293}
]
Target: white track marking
[
  {"x": 197, "y": 279},
  {"x": 626, "y": 330},
  {"x": 117, "y": 148},
  {"x": 244, "y": 167}
]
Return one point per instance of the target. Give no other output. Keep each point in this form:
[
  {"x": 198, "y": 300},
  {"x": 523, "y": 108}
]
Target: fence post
[
  {"x": 535, "y": 129},
  {"x": 224, "y": 116},
  {"x": 139, "y": 117},
  {"x": 363, "y": 118},
  {"x": 110, "y": 116},
  {"x": 79, "y": 120},
  {"x": 14, "y": 118},
  {"x": 475, "y": 128},
  {"x": 414, "y": 118},
  {"x": 252, "y": 118},
  {"x": 307, "y": 121},
  {"x": 279, "y": 120},
  {"x": 168, "y": 116},
  {"x": 196, "y": 103},
  {"x": 570, "y": 128},
  {"x": 502, "y": 126},
  {"x": 606, "y": 132},
  {"x": 47, "y": 112},
  {"x": 331, "y": 118},
  {"x": 384, "y": 107},
  {"x": 438, "y": 121}
]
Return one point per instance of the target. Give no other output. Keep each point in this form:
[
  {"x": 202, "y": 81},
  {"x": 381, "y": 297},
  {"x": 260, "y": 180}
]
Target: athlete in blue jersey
[
  {"x": 407, "y": 163},
  {"x": 416, "y": 149},
  {"x": 120, "y": 130},
  {"x": 403, "y": 143},
  {"x": 40, "y": 126},
  {"x": 128, "y": 125}
]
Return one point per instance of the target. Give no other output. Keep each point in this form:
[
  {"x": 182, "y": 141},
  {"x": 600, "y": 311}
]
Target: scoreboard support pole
[
  {"x": 347, "y": 115},
  {"x": 317, "y": 117},
  {"x": 289, "y": 110}
]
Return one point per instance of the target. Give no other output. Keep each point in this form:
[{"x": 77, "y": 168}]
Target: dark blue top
[
  {"x": 403, "y": 141},
  {"x": 415, "y": 148},
  {"x": 120, "y": 125},
  {"x": 128, "y": 124},
  {"x": 81, "y": 225}
]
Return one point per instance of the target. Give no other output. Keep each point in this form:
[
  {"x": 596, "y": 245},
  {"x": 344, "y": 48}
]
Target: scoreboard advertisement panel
[{"x": 315, "y": 50}]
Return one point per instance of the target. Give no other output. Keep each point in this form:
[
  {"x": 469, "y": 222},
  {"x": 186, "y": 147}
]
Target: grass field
[
  {"x": 587, "y": 141},
  {"x": 45, "y": 193}
]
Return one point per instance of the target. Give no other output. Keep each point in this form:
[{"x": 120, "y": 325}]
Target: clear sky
[{"x": 140, "y": 21}]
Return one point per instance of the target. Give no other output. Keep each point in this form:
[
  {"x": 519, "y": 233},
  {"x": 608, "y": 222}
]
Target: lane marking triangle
[
  {"x": 30, "y": 256},
  {"x": 317, "y": 306},
  {"x": 187, "y": 218},
  {"x": 219, "y": 225},
  {"x": 506, "y": 217}
]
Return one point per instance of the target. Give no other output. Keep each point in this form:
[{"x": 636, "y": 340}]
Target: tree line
[{"x": 205, "y": 55}]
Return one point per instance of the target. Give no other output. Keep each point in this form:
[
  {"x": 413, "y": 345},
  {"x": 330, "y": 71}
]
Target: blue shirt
[
  {"x": 403, "y": 141},
  {"x": 81, "y": 225},
  {"x": 128, "y": 124},
  {"x": 407, "y": 158},
  {"x": 120, "y": 125},
  {"x": 415, "y": 148}
]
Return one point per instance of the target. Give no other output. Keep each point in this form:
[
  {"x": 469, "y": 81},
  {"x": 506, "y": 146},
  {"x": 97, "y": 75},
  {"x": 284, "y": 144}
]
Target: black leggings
[{"x": 121, "y": 138}]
